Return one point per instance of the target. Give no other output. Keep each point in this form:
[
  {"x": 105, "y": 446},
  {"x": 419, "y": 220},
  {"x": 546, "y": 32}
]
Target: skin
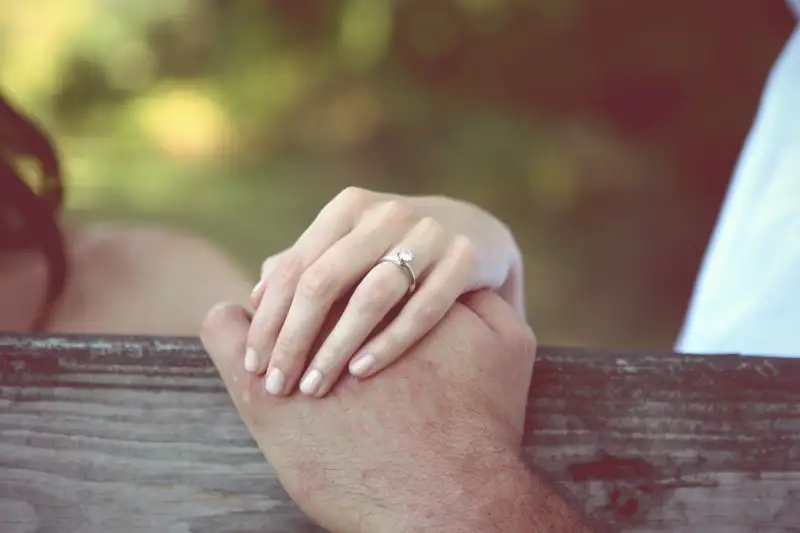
[
  {"x": 118, "y": 283},
  {"x": 457, "y": 248},
  {"x": 431, "y": 446},
  {"x": 462, "y": 473}
]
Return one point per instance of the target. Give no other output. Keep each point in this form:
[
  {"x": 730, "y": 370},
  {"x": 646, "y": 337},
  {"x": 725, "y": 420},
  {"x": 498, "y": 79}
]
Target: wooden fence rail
[{"x": 126, "y": 434}]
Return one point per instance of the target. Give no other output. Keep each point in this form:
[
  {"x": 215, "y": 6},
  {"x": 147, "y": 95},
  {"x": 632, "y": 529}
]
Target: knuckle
[
  {"x": 270, "y": 263},
  {"x": 260, "y": 336},
  {"x": 523, "y": 339},
  {"x": 429, "y": 226},
  {"x": 285, "y": 348},
  {"x": 395, "y": 210},
  {"x": 287, "y": 269},
  {"x": 352, "y": 196},
  {"x": 328, "y": 359},
  {"x": 428, "y": 312},
  {"x": 464, "y": 250},
  {"x": 396, "y": 335},
  {"x": 317, "y": 281},
  {"x": 374, "y": 294},
  {"x": 267, "y": 267},
  {"x": 219, "y": 316}
]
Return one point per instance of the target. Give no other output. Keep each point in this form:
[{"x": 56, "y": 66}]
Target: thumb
[{"x": 224, "y": 334}]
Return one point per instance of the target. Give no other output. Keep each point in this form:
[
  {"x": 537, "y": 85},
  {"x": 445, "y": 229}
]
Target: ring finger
[
  {"x": 334, "y": 274},
  {"x": 377, "y": 294}
]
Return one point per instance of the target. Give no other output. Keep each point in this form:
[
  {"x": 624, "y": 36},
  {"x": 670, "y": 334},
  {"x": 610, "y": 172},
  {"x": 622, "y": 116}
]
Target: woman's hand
[{"x": 456, "y": 247}]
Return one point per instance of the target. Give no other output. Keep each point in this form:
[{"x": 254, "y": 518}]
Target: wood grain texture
[{"x": 138, "y": 435}]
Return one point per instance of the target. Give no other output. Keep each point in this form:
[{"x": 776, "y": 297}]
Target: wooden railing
[{"x": 131, "y": 434}]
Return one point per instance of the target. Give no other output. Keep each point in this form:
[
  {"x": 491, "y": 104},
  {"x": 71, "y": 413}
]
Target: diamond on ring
[{"x": 404, "y": 255}]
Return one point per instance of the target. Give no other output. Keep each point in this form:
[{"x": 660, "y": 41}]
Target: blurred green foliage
[{"x": 602, "y": 132}]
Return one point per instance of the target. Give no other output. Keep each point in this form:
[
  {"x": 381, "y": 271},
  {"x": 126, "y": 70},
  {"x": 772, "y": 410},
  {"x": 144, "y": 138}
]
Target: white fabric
[{"x": 747, "y": 296}]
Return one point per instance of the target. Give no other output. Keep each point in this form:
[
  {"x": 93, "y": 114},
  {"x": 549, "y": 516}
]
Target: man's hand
[{"x": 429, "y": 445}]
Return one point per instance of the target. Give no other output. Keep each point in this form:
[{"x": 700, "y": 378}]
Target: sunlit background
[{"x": 603, "y": 133}]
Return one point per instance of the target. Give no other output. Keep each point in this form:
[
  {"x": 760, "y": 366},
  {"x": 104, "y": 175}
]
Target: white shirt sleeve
[{"x": 747, "y": 296}]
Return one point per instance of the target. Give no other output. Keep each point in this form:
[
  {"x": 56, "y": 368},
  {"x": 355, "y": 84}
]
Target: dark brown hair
[{"x": 30, "y": 204}]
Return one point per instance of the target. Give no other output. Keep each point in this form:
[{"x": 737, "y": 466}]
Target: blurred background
[{"x": 603, "y": 133}]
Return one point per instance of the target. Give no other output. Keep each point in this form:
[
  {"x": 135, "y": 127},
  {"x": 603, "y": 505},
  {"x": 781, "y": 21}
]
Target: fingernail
[
  {"x": 361, "y": 364},
  {"x": 275, "y": 381},
  {"x": 255, "y": 289},
  {"x": 311, "y": 382},
  {"x": 250, "y": 360}
]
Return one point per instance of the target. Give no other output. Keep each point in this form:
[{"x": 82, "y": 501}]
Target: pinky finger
[
  {"x": 426, "y": 308},
  {"x": 266, "y": 268},
  {"x": 258, "y": 293}
]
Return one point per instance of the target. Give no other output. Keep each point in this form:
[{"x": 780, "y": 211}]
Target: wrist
[
  {"x": 498, "y": 494},
  {"x": 520, "y": 502},
  {"x": 501, "y": 501}
]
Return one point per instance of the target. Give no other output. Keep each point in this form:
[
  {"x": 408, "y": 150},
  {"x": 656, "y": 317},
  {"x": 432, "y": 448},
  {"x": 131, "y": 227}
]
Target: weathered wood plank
[{"x": 131, "y": 435}]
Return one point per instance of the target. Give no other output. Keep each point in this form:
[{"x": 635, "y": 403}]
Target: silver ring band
[{"x": 402, "y": 258}]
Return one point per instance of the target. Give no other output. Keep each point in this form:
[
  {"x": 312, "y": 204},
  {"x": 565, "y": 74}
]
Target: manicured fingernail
[
  {"x": 275, "y": 381},
  {"x": 361, "y": 364},
  {"x": 311, "y": 382},
  {"x": 256, "y": 288},
  {"x": 250, "y": 360}
]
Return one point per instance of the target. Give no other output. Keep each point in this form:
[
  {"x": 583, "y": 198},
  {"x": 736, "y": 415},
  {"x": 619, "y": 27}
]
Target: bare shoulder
[{"x": 145, "y": 279}]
